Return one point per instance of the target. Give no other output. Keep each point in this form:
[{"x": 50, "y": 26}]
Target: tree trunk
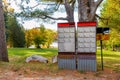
[
  {"x": 69, "y": 10},
  {"x": 87, "y": 10},
  {"x": 48, "y": 46},
  {"x": 3, "y": 47},
  {"x": 113, "y": 48}
]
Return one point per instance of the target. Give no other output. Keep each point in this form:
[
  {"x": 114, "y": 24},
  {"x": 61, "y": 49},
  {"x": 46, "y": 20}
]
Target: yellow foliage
[{"x": 10, "y": 9}]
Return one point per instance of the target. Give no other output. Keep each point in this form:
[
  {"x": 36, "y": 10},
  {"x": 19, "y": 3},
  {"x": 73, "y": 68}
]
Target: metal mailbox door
[
  {"x": 86, "y": 40},
  {"x": 66, "y": 46}
]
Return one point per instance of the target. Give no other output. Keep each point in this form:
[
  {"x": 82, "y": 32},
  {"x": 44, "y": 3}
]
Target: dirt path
[{"x": 107, "y": 74}]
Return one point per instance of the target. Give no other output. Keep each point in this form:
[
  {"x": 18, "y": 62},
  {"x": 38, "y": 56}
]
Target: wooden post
[{"x": 102, "y": 65}]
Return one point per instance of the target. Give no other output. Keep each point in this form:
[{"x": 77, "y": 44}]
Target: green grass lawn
[
  {"x": 24, "y": 52},
  {"x": 111, "y": 59},
  {"x": 17, "y": 58}
]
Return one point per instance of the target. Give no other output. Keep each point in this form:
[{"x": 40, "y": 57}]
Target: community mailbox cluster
[{"x": 77, "y": 48}]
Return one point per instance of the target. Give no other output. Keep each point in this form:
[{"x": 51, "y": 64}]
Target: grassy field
[
  {"x": 17, "y": 58},
  {"x": 111, "y": 59},
  {"x": 24, "y": 52}
]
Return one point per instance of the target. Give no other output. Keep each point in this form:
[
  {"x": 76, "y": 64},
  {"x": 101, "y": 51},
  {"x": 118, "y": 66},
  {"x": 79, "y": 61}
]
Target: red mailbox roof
[
  {"x": 66, "y": 24},
  {"x": 86, "y": 24}
]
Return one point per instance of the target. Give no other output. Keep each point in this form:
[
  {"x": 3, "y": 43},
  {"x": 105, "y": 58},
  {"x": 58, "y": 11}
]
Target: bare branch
[
  {"x": 72, "y": 3},
  {"x": 35, "y": 5},
  {"x": 98, "y": 2},
  {"x": 69, "y": 11},
  {"x": 101, "y": 17},
  {"x": 60, "y": 18},
  {"x": 53, "y": 18},
  {"x": 57, "y": 6},
  {"x": 94, "y": 6}
]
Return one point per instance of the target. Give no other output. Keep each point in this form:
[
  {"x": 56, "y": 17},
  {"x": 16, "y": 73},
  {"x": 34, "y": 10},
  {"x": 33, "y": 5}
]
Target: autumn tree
[
  {"x": 35, "y": 36},
  {"x": 3, "y": 47},
  {"x": 110, "y": 17},
  {"x": 38, "y": 39},
  {"x": 43, "y": 34},
  {"x": 40, "y": 36},
  {"x": 28, "y": 38},
  {"x": 50, "y": 37},
  {"x": 114, "y": 41},
  {"x": 111, "y": 14}
]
